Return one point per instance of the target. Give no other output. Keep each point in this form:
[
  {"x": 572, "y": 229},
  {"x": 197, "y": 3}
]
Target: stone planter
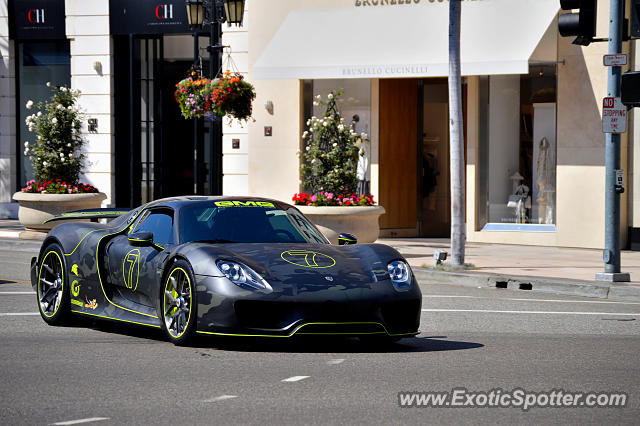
[
  {"x": 361, "y": 221},
  {"x": 36, "y": 208}
]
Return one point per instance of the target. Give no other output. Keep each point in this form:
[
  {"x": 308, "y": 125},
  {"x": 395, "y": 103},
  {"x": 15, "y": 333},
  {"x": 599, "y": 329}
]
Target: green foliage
[
  {"x": 56, "y": 154},
  {"x": 330, "y": 155}
]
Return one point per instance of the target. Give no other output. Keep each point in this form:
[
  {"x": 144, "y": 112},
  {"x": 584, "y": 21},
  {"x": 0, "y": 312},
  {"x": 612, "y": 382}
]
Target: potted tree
[
  {"x": 58, "y": 162},
  {"x": 328, "y": 169}
]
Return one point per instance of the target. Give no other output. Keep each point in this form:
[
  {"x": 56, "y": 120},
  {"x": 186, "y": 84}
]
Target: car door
[{"x": 135, "y": 267}]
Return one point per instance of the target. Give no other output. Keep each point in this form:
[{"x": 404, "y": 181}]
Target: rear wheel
[
  {"x": 179, "y": 303},
  {"x": 52, "y": 292}
]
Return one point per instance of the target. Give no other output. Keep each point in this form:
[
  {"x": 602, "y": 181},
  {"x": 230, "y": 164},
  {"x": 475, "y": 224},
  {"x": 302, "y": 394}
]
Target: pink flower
[
  {"x": 330, "y": 196},
  {"x": 314, "y": 198},
  {"x": 70, "y": 191}
]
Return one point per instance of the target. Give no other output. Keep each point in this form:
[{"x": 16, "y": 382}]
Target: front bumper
[{"x": 226, "y": 309}]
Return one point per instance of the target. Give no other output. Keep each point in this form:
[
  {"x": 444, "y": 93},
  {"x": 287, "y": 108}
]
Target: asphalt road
[{"x": 479, "y": 339}]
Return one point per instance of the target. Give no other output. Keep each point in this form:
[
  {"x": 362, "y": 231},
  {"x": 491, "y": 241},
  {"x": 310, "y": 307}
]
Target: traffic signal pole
[{"x": 611, "y": 254}]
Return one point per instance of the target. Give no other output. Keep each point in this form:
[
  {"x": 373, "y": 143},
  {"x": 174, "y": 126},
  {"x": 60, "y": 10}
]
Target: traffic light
[
  {"x": 630, "y": 88},
  {"x": 581, "y": 24},
  {"x": 635, "y": 18}
]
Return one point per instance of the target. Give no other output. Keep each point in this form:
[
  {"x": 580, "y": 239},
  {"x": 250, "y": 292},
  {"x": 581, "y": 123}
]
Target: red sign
[{"x": 614, "y": 115}]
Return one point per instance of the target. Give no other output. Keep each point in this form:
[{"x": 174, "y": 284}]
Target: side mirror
[
  {"x": 347, "y": 239},
  {"x": 141, "y": 238}
]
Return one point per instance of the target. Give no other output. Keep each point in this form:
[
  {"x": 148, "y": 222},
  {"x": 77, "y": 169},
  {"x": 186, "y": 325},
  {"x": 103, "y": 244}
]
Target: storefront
[
  {"x": 534, "y": 149},
  {"x": 125, "y": 57}
]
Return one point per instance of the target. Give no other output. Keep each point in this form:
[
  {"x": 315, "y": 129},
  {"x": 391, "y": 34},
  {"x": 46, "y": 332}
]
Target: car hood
[{"x": 309, "y": 267}]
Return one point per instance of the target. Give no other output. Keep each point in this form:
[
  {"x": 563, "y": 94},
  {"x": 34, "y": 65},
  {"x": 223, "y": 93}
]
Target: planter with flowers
[
  {"x": 57, "y": 161},
  {"x": 228, "y": 95},
  {"x": 330, "y": 159}
]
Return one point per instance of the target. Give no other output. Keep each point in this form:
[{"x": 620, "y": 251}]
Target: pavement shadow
[{"x": 325, "y": 344}]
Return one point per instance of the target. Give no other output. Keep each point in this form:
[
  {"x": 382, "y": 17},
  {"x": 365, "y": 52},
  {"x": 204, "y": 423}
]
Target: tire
[
  {"x": 52, "y": 291},
  {"x": 178, "y": 303}
]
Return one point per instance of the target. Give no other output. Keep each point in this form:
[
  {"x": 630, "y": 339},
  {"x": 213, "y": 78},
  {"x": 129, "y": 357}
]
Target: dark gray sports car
[{"x": 223, "y": 266}]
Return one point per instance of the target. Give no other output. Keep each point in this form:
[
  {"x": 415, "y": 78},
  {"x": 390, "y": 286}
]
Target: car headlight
[
  {"x": 242, "y": 276},
  {"x": 400, "y": 274}
]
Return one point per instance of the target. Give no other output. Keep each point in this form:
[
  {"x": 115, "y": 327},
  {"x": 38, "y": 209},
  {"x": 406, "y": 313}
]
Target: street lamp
[{"x": 212, "y": 13}]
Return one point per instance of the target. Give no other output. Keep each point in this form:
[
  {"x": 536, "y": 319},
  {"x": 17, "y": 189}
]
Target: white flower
[
  {"x": 341, "y": 127},
  {"x": 26, "y": 144},
  {"x": 63, "y": 89},
  {"x": 313, "y": 118},
  {"x": 305, "y": 134},
  {"x": 318, "y": 97},
  {"x": 307, "y": 148},
  {"x": 335, "y": 144},
  {"x": 325, "y": 123},
  {"x": 44, "y": 163},
  {"x": 330, "y": 96},
  {"x": 308, "y": 122},
  {"x": 70, "y": 108},
  {"x": 39, "y": 113},
  {"x": 48, "y": 84},
  {"x": 69, "y": 145},
  {"x": 60, "y": 106},
  {"x": 363, "y": 135},
  {"x": 54, "y": 120},
  {"x": 313, "y": 160},
  {"x": 61, "y": 155},
  {"x": 62, "y": 160},
  {"x": 26, "y": 151},
  {"x": 71, "y": 155},
  {"x": 315, "y": 103},
  {"x": 29, "y": 104}
]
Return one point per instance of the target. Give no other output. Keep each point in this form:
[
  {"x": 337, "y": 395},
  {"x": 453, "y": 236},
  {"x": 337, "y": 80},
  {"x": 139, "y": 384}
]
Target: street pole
[
  {"x": 196, "y": 56},
  {"x": 611, "y": 254},
  {"x": 215, "y": 135}
]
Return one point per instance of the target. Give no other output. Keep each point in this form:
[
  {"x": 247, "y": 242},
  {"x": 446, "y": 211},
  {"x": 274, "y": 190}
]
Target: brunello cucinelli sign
[
  {"x": 149, "y": 17},
  {"x": 399, "y": 2},
  {"x": 370, "y": 71},
  {"x": 36, "y": 19}
]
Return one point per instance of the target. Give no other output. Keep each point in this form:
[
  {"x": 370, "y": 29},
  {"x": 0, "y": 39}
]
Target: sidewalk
[{"x": 545, "y": 269}]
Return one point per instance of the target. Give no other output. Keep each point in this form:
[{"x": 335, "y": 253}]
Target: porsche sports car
[{"x": 232, "y": 266}]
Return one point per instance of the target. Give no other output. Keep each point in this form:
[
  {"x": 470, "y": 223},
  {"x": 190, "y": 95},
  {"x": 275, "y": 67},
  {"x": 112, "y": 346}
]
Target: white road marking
[
  {"x": 9, "y": 293},
  {"x": 335, "y": 361},
  {"x": 220, "y": 398},
  {"x": 77, "y": 422},
  {"x": 295, "y": 378},
  {"x": 18, "y": 314},
  {"x": 531, "y": 312},
  {"x": 443, "y": 296}
]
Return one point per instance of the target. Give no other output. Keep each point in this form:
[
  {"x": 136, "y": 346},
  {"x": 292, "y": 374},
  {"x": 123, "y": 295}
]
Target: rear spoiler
[{"x": 92, "y": 214}]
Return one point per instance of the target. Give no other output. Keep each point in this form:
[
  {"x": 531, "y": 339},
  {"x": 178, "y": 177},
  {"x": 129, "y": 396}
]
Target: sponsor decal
[
  {"x": 131, "y": 269},
  {"x": 91, "y": 304},
  {"x": 244, "y": 204},
  {"x": 75, "y": 288},
  {"x": 77, "y": 302},
  {"x": 74, "y": 269},
  {"x": 308, "y": 259}
]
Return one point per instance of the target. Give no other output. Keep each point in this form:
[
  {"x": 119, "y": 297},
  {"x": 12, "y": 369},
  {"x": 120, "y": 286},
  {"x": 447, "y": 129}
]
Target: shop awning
[{"x": 497, "y": 37}]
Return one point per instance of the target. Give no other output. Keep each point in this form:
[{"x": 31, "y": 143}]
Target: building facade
[{"x": 532, "y": 107}]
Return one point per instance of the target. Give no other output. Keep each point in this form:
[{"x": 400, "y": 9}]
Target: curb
[{"x": 545, "y": 285}]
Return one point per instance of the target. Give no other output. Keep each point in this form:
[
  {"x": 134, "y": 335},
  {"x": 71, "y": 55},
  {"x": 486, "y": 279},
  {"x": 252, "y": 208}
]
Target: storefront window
[
  {"x": 38, "y": 63},
  {"x": 355, "y": 108},
  {"x": 517, "y": 179}
]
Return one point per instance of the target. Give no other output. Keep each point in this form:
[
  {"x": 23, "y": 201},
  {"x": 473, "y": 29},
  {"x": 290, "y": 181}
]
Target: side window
[{"x": 160, "y": 223}]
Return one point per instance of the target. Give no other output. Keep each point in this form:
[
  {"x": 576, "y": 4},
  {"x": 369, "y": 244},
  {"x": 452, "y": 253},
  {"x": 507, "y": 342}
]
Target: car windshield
[{"x": 245, "y": 222}]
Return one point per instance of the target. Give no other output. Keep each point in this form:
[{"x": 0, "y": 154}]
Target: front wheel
[
  {"x": 53, "y": 296},
  {"x": 179, "y": 303}
]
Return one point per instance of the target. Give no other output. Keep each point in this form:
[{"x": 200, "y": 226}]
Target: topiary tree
[
  {"x": 56, "y": 154},
  {"x": 330, "y": 151}
]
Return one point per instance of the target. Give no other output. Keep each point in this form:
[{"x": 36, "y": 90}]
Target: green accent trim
[
  {"x": 81, "y": 240},
  {"x": 346, "y": 239},
  {"x": 77, "y": 302},
  {"x": 85, "y": 215},
  {"x": 127, "y": 274},
  {"x": 296, "y": 331},
  {"x": 102, "y": 285},
  {"x": 115, "y": 319},
  {"x": 306, "y": 253},
  {"x": 61, "y": 285},
  {"x": 158, "y": 246}
]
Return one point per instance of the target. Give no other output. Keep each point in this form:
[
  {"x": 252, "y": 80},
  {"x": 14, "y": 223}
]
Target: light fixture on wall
[
  {"x": 97, "y": 66},
  {"x": 268, "y": 105}
]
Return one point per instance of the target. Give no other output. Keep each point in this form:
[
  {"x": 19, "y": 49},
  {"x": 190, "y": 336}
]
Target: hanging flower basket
[{"x": 228, "y": 95}]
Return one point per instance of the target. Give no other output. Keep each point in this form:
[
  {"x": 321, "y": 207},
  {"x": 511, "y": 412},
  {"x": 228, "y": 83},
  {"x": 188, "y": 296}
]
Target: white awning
[{"x": 497, "y": 37}]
